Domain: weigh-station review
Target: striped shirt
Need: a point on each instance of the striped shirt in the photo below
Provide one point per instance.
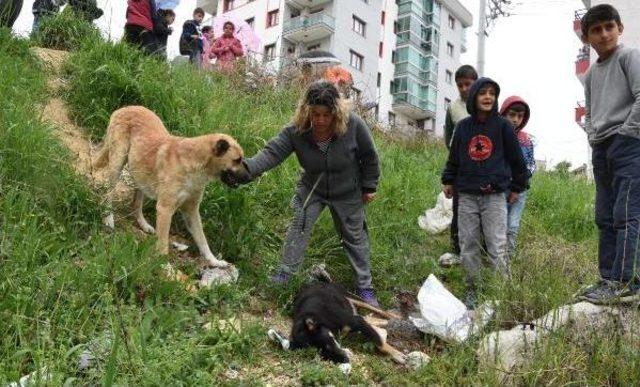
(324, 145)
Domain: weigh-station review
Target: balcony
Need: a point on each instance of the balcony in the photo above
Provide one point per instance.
(577, 22)
(300, 4)
(406, 37)
(308, 28)
(580, 112)
(407, 68)
(209, 6)
(582, 63)
(412, 106)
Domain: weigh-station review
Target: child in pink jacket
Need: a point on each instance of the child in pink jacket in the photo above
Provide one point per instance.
(226, 49)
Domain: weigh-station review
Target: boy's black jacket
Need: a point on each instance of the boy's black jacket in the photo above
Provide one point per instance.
(485, 157)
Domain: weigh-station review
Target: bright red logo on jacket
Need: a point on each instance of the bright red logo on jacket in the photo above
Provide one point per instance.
(480, 148)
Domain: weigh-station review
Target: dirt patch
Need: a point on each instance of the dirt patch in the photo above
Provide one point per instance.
(51, 58)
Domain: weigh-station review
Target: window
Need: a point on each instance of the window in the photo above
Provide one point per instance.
(394, 56)
(356, 60)
(391, 87)
(447, 103)
(380, 49)
(227, 6)
(382, 15)
(449, 49)
(272, 18)
(448, 77)
(313, 47)
(269, 52)
(392, 119)
(452, 22)
(420, 124)
(250, 21)
(358, 26)
(379, 80)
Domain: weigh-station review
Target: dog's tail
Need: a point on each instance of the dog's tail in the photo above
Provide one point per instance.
(102, 157)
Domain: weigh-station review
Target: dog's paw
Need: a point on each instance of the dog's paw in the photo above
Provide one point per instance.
(399, 358)
(215, 262)
(345, 368)
(148, 228)
(109, 222)
(179, 246)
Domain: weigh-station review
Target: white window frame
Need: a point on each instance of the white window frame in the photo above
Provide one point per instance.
(358, 25)
(356, 60)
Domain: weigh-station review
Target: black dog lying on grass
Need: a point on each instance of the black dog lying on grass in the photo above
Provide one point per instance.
(322, 311)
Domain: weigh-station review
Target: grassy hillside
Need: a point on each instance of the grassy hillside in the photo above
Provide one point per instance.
(65, 281)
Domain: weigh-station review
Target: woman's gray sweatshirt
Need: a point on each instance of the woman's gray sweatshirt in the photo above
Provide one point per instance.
(349, 167)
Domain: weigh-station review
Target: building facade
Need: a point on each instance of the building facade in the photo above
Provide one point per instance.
(392, 48)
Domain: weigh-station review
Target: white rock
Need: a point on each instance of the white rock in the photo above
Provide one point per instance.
(345, 368)
(218, 276)
(449, 259)
(417, 359)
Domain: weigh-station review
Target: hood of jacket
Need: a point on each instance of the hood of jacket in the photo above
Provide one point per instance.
(472, 108)
(513, 100)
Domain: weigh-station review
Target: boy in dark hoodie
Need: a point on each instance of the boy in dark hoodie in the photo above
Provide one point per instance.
(485, 161)
(162, 29)
(517, 111)
(191, 38)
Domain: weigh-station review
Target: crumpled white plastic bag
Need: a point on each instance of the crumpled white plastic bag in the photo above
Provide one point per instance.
(445, 316)
(437, 219)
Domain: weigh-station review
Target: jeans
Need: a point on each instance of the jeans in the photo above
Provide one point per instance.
(350, 223)
(482, 216)
(616, 168)
(455, 240)
(514, 214)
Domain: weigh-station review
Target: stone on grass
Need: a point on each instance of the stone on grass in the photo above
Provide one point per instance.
(218, 275)
(417, 359)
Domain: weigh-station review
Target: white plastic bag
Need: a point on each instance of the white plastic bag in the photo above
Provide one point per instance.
(437, 219)
(446, 317)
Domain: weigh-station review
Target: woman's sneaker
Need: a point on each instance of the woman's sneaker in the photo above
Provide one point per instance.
(602, 292)
(280, 278)
(613, 292)
(368, 295)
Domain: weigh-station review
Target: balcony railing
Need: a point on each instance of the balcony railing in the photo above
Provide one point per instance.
(405, 37)
(404, 98)
(577, 22)
(300, 22)
(405, 68)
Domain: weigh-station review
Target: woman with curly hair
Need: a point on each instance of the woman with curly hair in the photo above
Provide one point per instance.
(341, 171)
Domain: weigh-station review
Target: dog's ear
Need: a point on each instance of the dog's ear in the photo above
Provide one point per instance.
(311, 325)
(222, 146)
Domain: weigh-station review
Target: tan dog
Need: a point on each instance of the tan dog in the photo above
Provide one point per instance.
(172, 170)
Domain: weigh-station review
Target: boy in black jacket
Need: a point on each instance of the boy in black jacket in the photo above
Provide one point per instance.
(485, 161)
(191, 38)
(162, 29)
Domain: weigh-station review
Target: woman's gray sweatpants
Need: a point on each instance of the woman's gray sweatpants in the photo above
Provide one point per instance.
(349, 219)
(482, 216)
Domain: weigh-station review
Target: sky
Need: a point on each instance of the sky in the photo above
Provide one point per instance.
(530, 53)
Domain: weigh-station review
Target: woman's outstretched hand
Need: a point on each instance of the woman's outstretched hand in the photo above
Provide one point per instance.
(368, 197)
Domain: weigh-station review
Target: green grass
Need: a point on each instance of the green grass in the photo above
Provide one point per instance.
(66, 282)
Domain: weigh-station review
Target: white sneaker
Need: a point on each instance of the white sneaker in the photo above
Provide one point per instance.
(449, 259)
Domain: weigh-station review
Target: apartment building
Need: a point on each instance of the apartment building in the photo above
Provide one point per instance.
(392, 48)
